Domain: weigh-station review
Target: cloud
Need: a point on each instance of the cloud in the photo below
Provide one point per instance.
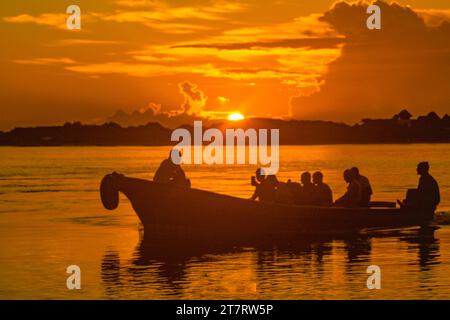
(330, 64)
(225, 53)
(287, 65)
(433, 17)
(240, 61)
(313, 43)
(159, 21)
(194, 99)
(46, 61)
(405, 64)
(192, 108)
(74, 42)
(303, 26)
(169, 27)
(174, 19)
(139, 3)
(57, 20)
(183, 11)
(153, 113)
(158, 15)
(223, 100)
(168, 13)
(138, 69)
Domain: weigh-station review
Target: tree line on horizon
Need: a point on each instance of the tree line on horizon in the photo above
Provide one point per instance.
(401, 128)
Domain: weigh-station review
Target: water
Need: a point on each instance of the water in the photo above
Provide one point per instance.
(51, 217)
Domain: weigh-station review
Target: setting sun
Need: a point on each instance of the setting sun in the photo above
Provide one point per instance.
(236, 117)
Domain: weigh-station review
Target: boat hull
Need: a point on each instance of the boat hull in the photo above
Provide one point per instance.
(197, 211)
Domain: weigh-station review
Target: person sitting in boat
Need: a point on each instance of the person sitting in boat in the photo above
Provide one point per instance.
(265, 187)
(269, 190)
(257, 181)
(180, 179)
(428, 195)
(295, 190)
(352, 198)
(366, 188)
(323, 196)
(306, 196)
(171, 172)
(283, 193)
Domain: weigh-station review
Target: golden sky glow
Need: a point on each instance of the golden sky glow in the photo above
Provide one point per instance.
(288, 58)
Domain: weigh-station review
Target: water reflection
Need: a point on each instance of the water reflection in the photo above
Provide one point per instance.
(358, 248)
(427, 246)
(111, 271)
(171, 261)
(178, 267)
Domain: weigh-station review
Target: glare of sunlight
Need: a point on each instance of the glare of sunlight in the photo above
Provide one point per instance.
(236, 117)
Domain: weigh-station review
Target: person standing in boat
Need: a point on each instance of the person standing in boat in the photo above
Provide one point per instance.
(366, 188)
(170, 172)
(428, 195)
(352, 198)
(323, 196)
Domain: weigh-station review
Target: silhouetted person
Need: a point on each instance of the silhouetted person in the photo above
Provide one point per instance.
(294, 189)
(265, 187)
(428, 195)
(170, 172)
(323, 196)
(306, 190)
(269, 188)
(283, 193)
(352, 197)
(257, 180)
(366, 188)
(181, 180)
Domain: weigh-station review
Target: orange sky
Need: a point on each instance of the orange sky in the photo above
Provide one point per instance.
(286, 58)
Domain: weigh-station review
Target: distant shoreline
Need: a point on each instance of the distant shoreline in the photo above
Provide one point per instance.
(169, 145)
(400, 129)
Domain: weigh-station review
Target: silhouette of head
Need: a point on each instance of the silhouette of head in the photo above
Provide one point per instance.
(348, 176)
(175, 156)
(259, 175)
(355, 171)
(305, 178)
(423, 167)
(317, 177)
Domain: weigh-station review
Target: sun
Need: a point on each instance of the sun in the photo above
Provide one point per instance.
(236, 117)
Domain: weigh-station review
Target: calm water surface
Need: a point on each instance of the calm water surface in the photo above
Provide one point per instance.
(51, 217)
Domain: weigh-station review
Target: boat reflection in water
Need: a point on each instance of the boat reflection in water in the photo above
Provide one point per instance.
(168, 266)
(427, 245)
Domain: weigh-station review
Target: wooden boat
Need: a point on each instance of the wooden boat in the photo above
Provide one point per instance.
(203, 212)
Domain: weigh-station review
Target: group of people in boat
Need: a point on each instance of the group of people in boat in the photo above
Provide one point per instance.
(312, 190)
